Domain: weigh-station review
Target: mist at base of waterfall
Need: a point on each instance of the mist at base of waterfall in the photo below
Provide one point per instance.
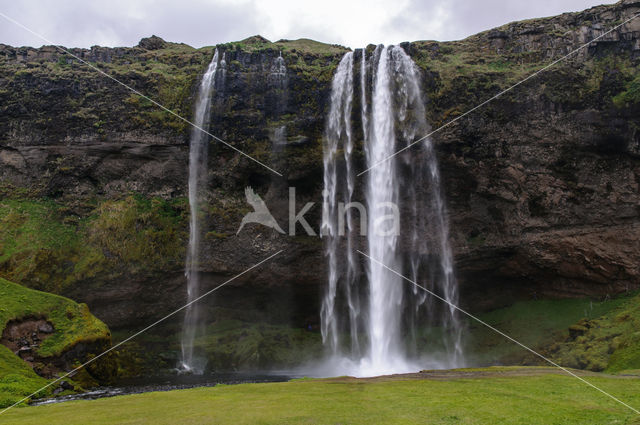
(363, 368)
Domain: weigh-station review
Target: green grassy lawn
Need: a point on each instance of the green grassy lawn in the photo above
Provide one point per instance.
(541, 397)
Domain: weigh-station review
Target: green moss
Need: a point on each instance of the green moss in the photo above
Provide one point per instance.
(631, 95)
(47, 246)
(233, 344)
(238, 340)
(35, 244)
(141, 232)
(610, 342)
(30, 225)
(73, 323)
(551, 318)
(626, 356)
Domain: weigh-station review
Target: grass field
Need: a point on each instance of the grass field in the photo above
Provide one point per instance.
(482, 396)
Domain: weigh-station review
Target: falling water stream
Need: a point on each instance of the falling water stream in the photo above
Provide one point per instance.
(278, 84)
(338, 141)
(373, 322)
(198, 148)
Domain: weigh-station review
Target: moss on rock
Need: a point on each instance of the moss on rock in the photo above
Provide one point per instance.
(46, 245)
(74, 335)
(610, 342)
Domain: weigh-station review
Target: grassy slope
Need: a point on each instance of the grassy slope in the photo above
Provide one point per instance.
(533, 323)
(610, 342)
(543, 399)
(73, 324)
(577, 333)
(17, 379)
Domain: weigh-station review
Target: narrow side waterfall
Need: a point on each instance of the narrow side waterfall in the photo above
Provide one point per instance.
(401, 328)
(278, 85)
(198, 149)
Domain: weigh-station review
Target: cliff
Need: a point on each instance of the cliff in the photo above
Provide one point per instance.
(542, 184)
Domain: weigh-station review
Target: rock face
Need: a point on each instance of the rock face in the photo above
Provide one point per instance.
(152, 43)
(23, 337)
(542, 184)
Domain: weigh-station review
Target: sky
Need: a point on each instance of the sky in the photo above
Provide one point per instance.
(84, 23)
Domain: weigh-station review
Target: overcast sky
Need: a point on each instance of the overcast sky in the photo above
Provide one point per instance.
(83, 23)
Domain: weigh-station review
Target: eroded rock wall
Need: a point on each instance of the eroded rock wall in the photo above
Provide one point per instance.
(541, 184)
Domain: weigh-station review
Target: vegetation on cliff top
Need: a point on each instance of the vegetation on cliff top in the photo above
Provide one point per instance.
(460, 76)
(259, 44)
(84, 98)
(167, 73)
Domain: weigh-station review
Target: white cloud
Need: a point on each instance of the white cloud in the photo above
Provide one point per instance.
(356, 23)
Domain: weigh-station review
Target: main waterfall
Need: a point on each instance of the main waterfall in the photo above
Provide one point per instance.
(198, 148)
(373, 321)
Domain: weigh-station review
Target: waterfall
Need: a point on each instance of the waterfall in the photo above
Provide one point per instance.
(278, 73)
(385, 287)
(277, 80)
(337, 137)
(406, 223)
(198, 148)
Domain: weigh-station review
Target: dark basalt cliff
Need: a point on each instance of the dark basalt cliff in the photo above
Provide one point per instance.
(542, 184)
